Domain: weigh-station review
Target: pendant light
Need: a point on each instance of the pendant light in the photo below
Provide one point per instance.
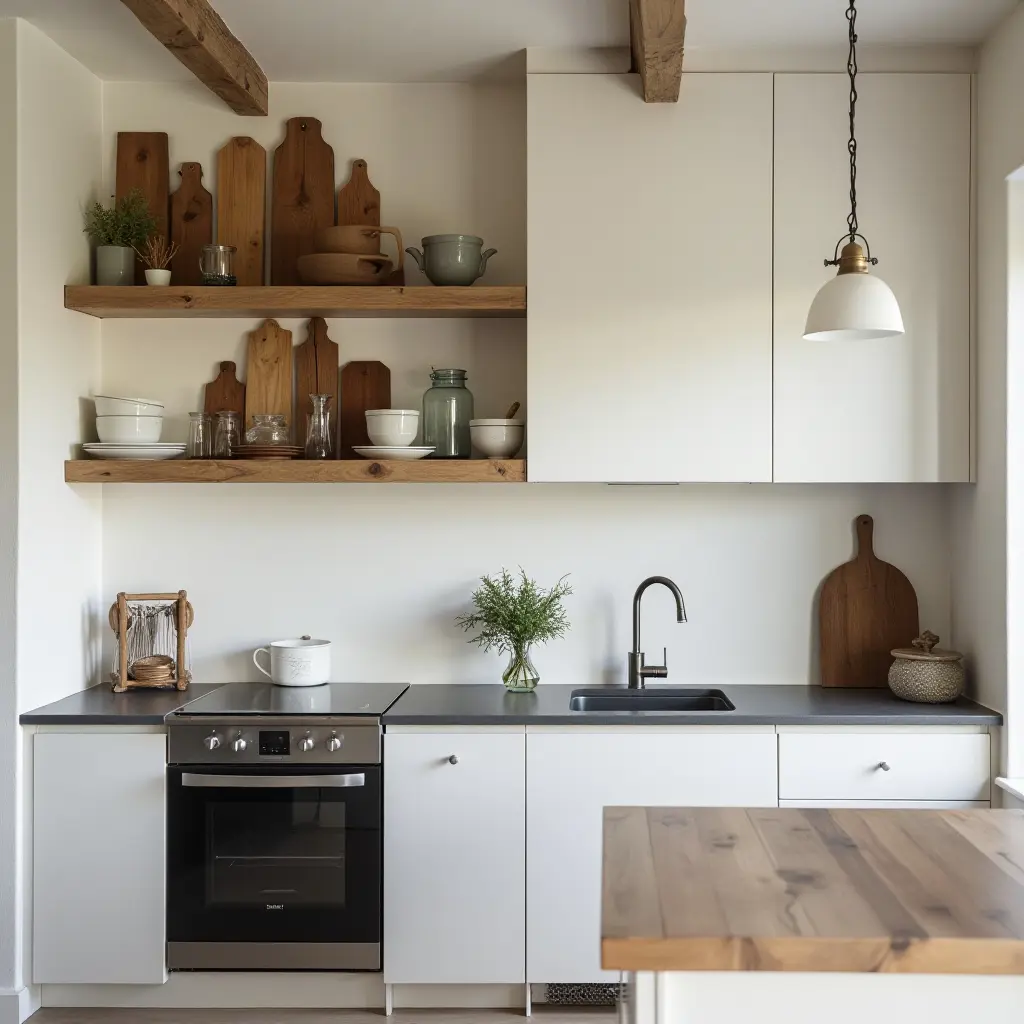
(853, 306)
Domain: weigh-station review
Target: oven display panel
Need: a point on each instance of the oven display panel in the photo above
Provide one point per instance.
(275, 743)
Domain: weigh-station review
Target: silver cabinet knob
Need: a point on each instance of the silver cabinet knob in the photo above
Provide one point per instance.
(884, 765)
(239, 745)
(307, 743)
(212, 742)
(333, 743)
(454, 759)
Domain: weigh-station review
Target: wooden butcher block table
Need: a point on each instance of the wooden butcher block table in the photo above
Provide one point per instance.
(880, 891)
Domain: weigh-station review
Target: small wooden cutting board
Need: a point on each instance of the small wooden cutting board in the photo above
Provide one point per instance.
(191, 224)
(142, 163)
(242, 205)
(364, 385)
(867, 608)
(303, 196)
(268, 377)
(225, 393)
(316, 373)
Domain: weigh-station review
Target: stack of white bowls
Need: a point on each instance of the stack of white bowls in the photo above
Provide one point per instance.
(130, 428)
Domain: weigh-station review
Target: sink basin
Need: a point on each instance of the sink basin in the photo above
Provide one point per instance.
(608, 699)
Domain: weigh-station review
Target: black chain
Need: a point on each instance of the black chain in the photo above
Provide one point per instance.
(851, 67)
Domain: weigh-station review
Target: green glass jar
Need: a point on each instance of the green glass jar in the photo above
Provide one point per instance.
(447, 410)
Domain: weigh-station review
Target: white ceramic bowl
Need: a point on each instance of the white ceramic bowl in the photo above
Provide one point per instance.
(392, 428)
(109, 405)
(129, 429)
(497, 439)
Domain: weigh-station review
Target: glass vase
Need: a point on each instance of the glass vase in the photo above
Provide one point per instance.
(520, 676)
(318, 428)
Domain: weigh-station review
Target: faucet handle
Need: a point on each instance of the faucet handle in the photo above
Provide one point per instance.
(655, 671)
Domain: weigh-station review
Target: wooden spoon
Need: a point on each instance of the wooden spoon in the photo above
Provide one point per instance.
(512, 410)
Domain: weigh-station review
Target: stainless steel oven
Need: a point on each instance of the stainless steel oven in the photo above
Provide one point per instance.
(274, 844)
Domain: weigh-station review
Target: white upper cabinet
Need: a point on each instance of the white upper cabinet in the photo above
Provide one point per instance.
(650, 279)
(897, 409)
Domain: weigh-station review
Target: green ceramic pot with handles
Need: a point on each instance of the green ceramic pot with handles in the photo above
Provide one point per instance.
(452, 259)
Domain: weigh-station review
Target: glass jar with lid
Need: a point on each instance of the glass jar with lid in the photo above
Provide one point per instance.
(447, 410)
(267, 428)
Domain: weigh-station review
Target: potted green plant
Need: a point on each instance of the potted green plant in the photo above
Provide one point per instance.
(115, 231)
(157, 254)
(512, 615)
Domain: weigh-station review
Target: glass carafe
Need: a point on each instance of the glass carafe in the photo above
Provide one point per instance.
(447, 410)
(318, 428)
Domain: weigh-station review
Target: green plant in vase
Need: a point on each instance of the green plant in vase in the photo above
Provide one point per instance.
(115, 231)
(512, 614)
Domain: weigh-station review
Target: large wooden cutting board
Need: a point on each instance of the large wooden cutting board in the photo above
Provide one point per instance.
(359, 203)
(142, 163)
(225, 393)
(242, 205)
(364, 385)
(191, 224)
(316, 373)
(303, 196)
(268, 376)
(867, 608)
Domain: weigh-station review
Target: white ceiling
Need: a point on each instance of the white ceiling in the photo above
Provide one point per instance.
(457, 40)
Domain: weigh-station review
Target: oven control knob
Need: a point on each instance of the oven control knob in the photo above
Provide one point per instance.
(239, 745)
(333, 743)
(212, 742)
(307, 743)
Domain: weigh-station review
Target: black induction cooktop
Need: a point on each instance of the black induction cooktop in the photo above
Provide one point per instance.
(371, 699)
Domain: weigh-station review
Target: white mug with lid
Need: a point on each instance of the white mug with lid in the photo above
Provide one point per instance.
(302, 662)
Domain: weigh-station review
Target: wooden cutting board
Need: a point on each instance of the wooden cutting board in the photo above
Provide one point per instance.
(359, 203)
(191, 224)
(224, 393)
(268, 376)
(303, 196)
(142, 163)
(867, 608)
(242, 205)
(316, 373)
(364, 385)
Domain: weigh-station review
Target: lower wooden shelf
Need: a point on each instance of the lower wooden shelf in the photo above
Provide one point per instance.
(252, 471)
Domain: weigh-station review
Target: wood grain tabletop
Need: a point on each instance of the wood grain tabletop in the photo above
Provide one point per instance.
(768, 889)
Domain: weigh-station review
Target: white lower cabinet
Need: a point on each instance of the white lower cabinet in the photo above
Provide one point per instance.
(572, 775)
(454, 857)
(99, 878)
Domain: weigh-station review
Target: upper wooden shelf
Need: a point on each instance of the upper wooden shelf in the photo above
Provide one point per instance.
(140, 302)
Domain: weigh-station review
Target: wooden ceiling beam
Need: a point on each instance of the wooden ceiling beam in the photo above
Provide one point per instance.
(657, 29)
(196, 34)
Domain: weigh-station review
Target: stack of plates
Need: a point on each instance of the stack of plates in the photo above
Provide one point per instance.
(166, 450)
(404, 454)
(156, 669)
(267, 451)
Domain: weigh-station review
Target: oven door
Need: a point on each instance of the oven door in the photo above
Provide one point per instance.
(274, 868)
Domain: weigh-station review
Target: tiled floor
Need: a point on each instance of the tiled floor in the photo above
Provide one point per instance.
(541, 1015)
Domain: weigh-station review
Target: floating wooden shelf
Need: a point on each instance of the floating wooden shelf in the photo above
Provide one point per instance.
(251, 471)
(182, 301)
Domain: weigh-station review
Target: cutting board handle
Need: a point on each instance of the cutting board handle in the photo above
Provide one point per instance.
(865, 537)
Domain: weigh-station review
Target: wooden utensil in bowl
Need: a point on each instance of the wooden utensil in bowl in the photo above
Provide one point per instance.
(343, 268)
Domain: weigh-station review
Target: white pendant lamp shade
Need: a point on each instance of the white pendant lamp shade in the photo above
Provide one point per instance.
(853, 307)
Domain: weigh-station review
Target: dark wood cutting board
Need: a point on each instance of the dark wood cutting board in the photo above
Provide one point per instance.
(242, 205)
(359, 203)
(142, 163)
(225, 393)
(303, 196)
(364, 385)
(191, 224)
(867, 608)
(268, 375)
(316, 373)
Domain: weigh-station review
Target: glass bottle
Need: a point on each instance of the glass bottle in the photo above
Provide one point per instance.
(227, 434)
(318, 428)
(200, 441)
(447, 410)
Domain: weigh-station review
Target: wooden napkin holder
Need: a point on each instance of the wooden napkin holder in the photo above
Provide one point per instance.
(120, 617)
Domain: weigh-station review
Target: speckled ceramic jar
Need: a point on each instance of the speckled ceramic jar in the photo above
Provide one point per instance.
(926, 674)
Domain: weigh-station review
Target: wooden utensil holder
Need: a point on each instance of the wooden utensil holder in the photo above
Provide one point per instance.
(120, 618)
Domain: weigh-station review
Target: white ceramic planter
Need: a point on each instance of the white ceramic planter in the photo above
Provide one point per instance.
(160, 277)
(115, 264)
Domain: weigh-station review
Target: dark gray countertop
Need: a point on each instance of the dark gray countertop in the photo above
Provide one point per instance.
(472, 704)
(98, 706)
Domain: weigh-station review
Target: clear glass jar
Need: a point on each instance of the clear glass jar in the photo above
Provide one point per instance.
(200, 435)
(318, 428)
(447, 410)
(267, 428)
(227, 433)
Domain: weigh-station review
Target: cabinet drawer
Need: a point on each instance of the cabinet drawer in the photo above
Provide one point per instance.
(921, 766)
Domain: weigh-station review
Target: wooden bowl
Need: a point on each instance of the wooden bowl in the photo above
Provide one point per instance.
(343, 268)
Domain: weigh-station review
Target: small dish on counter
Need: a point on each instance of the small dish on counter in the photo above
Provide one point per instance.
(404, 453)
(168, 450)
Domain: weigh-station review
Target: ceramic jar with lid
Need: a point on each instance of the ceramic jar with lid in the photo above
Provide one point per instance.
(926, 673)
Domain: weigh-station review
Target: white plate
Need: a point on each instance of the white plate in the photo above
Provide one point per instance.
(398, 454)
(180, 445)
(134, 451)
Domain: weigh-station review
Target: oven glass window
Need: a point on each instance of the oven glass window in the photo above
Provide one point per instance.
(281, 852)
